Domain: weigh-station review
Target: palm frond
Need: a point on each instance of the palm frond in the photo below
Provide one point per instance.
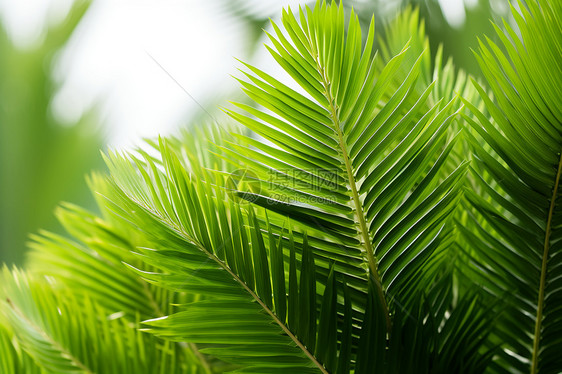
(514, 229)
(407, 28)
(61, 337)
(94, 267)
(362, 164)
(204, 244)
(94, 270)
(320, 238)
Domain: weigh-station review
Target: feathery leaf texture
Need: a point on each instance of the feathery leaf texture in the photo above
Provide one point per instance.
(61, 339)
(363, 170)
(514, 232)
(377, 212)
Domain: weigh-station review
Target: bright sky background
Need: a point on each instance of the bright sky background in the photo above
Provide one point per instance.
(113, 59)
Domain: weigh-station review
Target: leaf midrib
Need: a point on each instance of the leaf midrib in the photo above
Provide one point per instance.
(223, 265)
(542, 284)
(263, 305)
(360, 214)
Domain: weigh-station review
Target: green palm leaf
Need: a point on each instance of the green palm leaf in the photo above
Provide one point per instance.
(14, 359)
(61, 337)
(95, 270)
(408, 28)
(514, 231)
(204, 244)
(262, 307)
(341, 264)
(363, 163)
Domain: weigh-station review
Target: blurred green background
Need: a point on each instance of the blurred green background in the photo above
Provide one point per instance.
(42, 161)
(44, 158)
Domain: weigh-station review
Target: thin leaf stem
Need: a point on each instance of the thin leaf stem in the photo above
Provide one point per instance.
(542, 285)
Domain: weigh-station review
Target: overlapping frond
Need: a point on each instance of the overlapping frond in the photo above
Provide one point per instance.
(204, 244)
(62, 337)
(408, 28)
(320, 239)
(94, 269)
(357, 164)
(514, 229)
